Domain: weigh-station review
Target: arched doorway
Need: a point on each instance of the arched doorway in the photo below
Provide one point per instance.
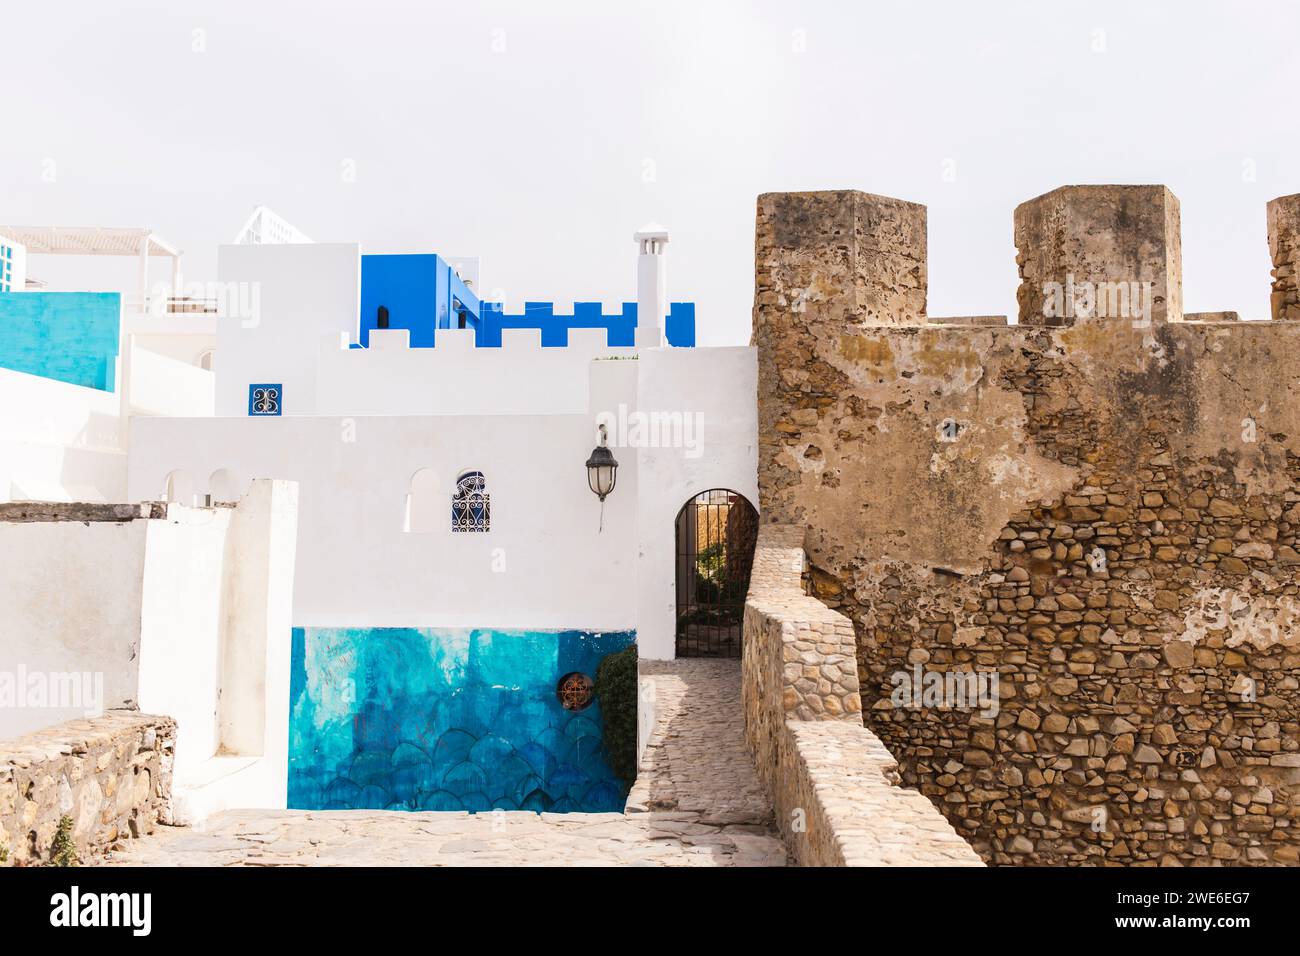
(716, 531)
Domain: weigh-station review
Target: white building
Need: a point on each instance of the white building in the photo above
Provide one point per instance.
(66, 430)
(378, 438)
(384, 494)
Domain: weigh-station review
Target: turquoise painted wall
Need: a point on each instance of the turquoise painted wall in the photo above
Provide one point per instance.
(66, 336)
(444, 719)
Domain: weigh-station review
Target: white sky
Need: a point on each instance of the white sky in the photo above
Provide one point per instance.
(535, 156)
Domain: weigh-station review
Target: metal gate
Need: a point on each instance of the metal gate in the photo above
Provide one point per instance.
(716, 532)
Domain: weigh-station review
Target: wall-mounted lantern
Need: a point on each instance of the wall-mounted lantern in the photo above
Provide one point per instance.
(602, 468)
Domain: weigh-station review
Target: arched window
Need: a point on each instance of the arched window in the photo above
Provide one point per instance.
(470, 507)
(223, 486)
(424, 503)
(204, 361)
(178, 487)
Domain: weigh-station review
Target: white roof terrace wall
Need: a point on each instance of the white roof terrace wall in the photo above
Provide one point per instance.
(456, 378)
(278, 303)
(546, 562)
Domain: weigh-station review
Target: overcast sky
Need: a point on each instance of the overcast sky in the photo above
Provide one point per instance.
(540, 135)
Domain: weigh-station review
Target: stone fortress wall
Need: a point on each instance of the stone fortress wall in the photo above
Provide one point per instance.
(1100, 509)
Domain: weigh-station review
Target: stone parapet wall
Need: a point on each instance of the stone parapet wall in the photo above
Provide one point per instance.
(858, 814)
(112, 775)
(832, 782)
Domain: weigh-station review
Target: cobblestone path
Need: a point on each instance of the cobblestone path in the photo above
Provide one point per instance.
(697, 802)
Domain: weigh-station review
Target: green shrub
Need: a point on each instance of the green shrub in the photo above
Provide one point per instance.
(63, 851)
(616, 690)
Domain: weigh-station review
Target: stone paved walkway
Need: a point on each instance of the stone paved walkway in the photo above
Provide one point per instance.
(697, 802)
(696, 761)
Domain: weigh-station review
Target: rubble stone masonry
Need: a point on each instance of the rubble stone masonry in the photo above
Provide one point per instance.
(110, 774)
(1105, 513)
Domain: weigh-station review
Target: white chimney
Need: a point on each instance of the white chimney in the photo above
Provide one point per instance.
(651, 285)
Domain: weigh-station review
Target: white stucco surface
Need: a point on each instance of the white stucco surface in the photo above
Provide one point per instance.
(547, 561)
(718, 385)
(456, 378)
(163, 385)
(58, 441)
(296, 295)
(187, 615)
(71, 597)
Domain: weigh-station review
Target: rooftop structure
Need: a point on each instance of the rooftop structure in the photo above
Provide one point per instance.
(139, 243)
(264, 227)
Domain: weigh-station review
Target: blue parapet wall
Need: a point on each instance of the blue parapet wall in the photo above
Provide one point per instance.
(421, 292)
(396, 718)
(555, 328)
(66, 336)
(679, 325)
(621, 326)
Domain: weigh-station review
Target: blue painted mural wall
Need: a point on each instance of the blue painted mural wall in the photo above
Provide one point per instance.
(444, 719)
(67, 336)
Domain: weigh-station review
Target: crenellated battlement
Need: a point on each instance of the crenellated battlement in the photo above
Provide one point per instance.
(586, 325)
(462, 343)
(1083, 253)
(558, 329)
(519, 375)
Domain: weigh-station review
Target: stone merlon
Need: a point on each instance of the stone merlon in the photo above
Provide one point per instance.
(1284, 248)
(1123, 241)
(850, 256)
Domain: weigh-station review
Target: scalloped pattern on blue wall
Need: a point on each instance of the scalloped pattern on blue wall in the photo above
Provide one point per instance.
(446, 719)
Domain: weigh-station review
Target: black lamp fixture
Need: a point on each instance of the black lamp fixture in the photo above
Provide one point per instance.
(602, 468)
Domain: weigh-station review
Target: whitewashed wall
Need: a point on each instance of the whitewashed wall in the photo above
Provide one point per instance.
(58, 441)
(301, 293)
(70, 595)
(215, 624)
(187, 615)
(719, 385)
(455, 377)
(184, 337)
(162, 385)
(543, 564)
(65, 442)
(546, 563)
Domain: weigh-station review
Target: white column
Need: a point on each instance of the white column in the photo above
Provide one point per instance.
(176, 276)
(144, 274)
(651, 285)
